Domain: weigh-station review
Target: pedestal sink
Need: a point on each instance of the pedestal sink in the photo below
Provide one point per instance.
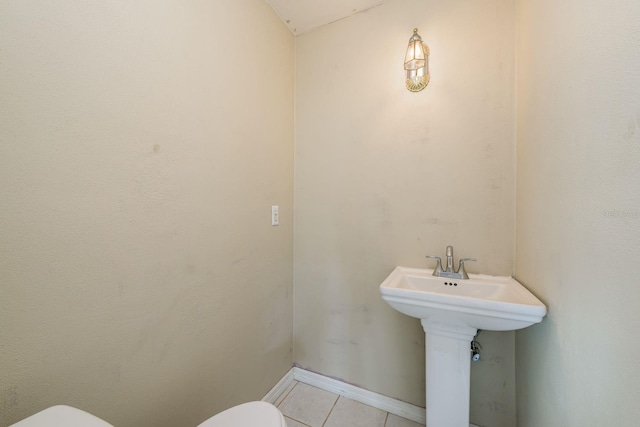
(451, 312)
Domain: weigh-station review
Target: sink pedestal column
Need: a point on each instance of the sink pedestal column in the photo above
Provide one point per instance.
(448, 359)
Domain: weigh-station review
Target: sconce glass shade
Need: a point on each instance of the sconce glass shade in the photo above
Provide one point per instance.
(416, 63)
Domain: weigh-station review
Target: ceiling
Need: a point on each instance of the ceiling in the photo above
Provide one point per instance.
(305, 15)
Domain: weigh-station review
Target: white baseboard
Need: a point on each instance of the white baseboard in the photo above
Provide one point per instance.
(387, 404)
(279, 389)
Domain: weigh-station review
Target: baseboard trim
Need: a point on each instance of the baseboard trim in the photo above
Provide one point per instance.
(280, 388)
(385, 403)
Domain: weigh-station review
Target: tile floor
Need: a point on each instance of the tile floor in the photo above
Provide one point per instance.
(307, 406)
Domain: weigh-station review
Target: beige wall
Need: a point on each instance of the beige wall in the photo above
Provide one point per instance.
(142, 145)
(384, 177)
(139, 157)
(578, 211)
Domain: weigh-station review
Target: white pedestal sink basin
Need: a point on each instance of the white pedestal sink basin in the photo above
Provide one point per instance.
(451, 312)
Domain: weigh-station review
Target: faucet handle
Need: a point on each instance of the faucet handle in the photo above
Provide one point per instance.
(438, 269)
(449, 250)
(461, 271)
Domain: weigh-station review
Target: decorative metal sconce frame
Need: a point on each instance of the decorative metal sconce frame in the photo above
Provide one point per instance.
(416, 63)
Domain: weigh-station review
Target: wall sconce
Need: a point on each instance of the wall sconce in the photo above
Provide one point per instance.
(416, 63)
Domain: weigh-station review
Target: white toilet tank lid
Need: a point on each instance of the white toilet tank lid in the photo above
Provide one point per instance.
(252, 414)
(62, 416)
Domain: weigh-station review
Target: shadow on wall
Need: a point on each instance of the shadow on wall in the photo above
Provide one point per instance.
(540, 374)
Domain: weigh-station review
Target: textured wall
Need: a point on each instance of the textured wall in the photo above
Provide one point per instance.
(384, 177)
(142, 145)
(578, 211)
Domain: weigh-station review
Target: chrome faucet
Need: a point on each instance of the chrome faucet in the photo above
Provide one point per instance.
(450, 272)
(450, 259)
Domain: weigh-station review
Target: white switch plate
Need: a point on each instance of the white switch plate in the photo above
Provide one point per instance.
(275, 216)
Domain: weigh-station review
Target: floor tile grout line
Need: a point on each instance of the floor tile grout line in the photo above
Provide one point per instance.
(394, 406)
(298, 421)
(287, 393)
(332, 408)
(285, 398)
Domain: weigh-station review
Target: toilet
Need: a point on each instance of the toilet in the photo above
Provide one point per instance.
(62, 416)
(253, 414)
